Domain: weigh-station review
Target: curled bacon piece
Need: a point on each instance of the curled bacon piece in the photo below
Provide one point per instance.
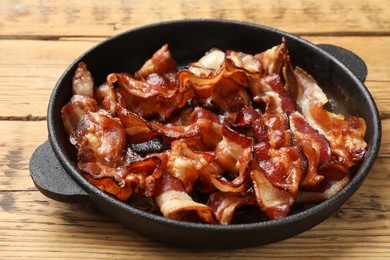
(75, 109)
(225, 204)
(275, 203)
(175, 203)
(186, 164)
(314, 145)
(336, 177)
(101, 143)
(273, 59)
(234, 155)
(346, 137)
(160, 63)
(157, 96)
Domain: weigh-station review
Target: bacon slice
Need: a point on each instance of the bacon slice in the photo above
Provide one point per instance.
(101, 143)
(142, 175)
(314, 145)
(336, 177)
(157, 96)
(136, 128)
(175, 203)
(234, 155)
(160, 63)
(271, 92)
(82, 82)
(275, 203)
(106, 97)
(346, 137)
(75, 109)
(273, 59)
(210, 69)
(186, 164)
(283, 167)
(202, 123)
(225, 204)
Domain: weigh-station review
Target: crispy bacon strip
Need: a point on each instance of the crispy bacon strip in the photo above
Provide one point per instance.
(157, 96)
(271, 92)
(234, 155)
(273, 59)
(175, 203)
(314, 145)
(202, 123)
(275, 203)
(210, 69)
(283, 167)
(142, 175)
(106, 97)
(160, 63)
(346, 137)
(75, 109)
(186, 164)
(136, 128)
(336, 177)
(225, 204)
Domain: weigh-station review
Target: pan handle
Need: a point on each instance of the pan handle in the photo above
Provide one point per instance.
(51, 179)
(353, 62)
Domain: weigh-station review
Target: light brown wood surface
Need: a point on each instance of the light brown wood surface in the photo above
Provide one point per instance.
(39, 39)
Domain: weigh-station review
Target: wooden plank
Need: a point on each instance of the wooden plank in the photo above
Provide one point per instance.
(54, 18)
(32, 73)
(29, 71)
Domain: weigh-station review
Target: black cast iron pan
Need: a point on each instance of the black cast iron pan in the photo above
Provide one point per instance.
(340, 73)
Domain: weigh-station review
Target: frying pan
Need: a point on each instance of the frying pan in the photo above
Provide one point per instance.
(340, 72)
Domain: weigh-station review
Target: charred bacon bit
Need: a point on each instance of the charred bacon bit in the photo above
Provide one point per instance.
(276, 203)
(234, 155)
(82, 82)
(225, 204)
(160, 63)
(186, 164)
(346, 137)
(175, 203)
(75, 109)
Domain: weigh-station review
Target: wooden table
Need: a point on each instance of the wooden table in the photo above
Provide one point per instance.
(39, 39)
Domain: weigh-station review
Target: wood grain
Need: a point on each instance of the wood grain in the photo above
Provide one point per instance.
(57, 18)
